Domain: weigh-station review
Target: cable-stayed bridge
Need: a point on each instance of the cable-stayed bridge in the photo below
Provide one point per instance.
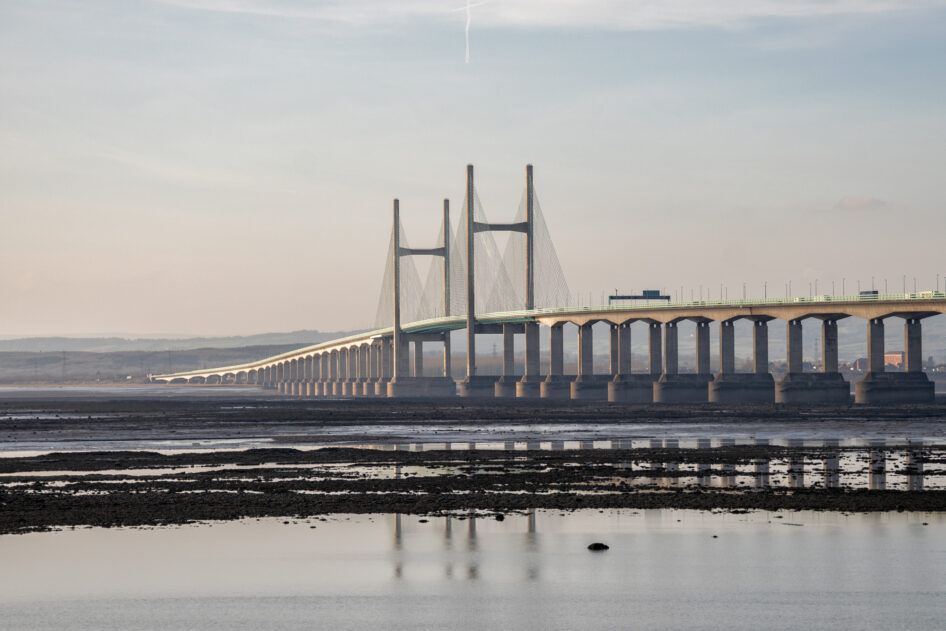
(470, 284)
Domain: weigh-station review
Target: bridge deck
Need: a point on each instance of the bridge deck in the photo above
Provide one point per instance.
(914, 305)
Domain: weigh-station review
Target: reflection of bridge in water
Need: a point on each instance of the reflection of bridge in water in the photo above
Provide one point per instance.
(874, 464)
(459, 531)
(476, 288)
(827, 465)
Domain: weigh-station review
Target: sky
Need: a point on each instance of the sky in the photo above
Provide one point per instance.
(226, 167)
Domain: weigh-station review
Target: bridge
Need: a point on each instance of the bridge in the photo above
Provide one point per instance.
(528, 276)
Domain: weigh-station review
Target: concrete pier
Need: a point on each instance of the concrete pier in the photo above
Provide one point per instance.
(626, 387)
(383, 370)
(755, 387)
(798, 387)
(363, 383)
(505, 386)
(879, 387)
(530, 386)
(556, 385)
(672, 387)
(586, 387)
(478, 386)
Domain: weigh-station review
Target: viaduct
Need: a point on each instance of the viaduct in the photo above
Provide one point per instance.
(378, 362)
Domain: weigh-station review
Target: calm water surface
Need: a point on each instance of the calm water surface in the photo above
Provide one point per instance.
(665, 570)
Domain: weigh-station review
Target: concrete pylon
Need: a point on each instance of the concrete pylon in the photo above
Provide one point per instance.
(402, 383)
(530, 384)
(474, 385)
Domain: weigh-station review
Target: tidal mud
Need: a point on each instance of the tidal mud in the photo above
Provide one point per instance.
(113, 489)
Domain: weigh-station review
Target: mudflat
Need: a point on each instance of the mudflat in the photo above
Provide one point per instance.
(515, 457)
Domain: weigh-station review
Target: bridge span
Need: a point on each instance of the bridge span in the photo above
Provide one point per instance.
(363, 364)
(378, 362)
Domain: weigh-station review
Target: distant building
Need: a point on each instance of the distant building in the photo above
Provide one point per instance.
(859, 364)
(894, 360)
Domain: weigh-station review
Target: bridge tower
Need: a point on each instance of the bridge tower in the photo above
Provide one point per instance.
(402, 384)
(507, 385)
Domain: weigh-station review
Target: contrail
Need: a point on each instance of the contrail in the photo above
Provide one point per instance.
(467, 31)
(469, 17)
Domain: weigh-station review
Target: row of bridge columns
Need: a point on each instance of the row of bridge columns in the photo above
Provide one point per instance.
(368, 369)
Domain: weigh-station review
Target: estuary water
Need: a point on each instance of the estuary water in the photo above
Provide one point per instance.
(665, 569)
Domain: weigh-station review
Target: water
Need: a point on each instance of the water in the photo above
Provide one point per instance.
(665, 570)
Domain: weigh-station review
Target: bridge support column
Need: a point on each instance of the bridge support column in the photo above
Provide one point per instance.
(447, 357)
(325, 385)
(305, 385)
(348, 379)
(727, 347)
(341, 374)
(829, 346)
(418, 358)
(283, 378)
(733, 388)
(529, 387)
(799, 387)
(703, 347)
(556, 385)
(615, 354)
(793, 336)
(297, 372)
(880, 387)
(671, 364)
(505, 386)
(371, 369)
(383, 359)
(316, 375)
(626, 387)
(913, 345)
(760, 346)
(360, 384)
(656, 366)
(585, 387)
(295, 377)
(672, 387)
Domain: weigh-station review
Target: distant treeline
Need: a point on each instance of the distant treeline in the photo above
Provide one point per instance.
(125, 366)
(119, 344)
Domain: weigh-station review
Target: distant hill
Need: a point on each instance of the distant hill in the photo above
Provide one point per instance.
(70, 367)
(118, 344)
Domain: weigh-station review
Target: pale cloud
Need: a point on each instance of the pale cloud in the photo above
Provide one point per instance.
(860, 203)
(623, 15)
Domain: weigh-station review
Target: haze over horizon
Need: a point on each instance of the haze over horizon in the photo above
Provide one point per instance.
(225, 167)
